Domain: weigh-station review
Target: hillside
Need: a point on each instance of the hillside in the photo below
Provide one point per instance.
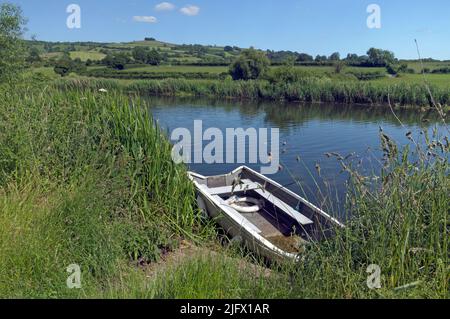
(171, 53)
(207, 62)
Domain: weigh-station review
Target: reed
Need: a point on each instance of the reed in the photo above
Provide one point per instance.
(399, 223)
(309, 89)
(85, 178)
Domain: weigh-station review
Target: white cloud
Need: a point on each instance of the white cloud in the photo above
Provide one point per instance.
(190, 10)
(146, 19)
(165, 6)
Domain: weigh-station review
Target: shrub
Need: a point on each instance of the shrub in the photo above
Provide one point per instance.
(250, 65)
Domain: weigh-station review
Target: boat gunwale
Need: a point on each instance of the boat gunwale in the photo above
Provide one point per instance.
(263, 241)
(266, 243)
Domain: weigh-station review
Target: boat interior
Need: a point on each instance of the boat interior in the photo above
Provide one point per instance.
(282, 219)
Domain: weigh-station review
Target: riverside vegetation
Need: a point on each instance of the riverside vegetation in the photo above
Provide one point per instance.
(305, 90)
(86, 177)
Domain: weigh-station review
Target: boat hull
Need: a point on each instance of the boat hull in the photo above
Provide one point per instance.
(313, 223)
(240, 234)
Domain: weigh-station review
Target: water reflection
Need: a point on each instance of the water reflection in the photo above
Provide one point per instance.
(308, 132)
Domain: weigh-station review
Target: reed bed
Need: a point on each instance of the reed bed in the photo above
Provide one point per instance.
(310, 89)
(86, 178)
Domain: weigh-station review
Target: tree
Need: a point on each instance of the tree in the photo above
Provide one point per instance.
(335, 57)
(63, 67)
(116, 61)
(66, 65)
(354, 59)
(153, 57)
(403, 68)
(144, 55)
(287, 73)
(303, 57)
(34, 56)
(250, 65)
(339, 66)
(321, 58)
(228, 49)
(12, 50)
(378, 57)
(140, 54)
(78, 66)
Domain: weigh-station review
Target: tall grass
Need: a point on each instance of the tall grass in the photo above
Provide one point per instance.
(85, 178)
(399, 223)
(309, 89)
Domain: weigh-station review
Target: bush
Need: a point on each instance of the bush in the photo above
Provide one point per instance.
(65, 66)
(117, 61)
(367, 76)
(286, 74)
(441, 71)
(250, 65)
(12, 49)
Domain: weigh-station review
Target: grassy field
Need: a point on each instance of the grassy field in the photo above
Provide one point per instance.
(439, 80)
(87, 55)
(317, 84)
(175, 53)
(313, 70)
(417, 65)
(180, 69)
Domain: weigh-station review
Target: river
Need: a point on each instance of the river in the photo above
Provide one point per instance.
(307, 134)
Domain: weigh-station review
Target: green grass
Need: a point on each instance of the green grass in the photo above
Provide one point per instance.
(87, 55)
(316, 84)
(49, 55)
(310, 89)
(151, 44)
(417, 66)
(84, 179)
(44, 71)
(312, 70)
(306, 90)
(438, 80)
(180, 69)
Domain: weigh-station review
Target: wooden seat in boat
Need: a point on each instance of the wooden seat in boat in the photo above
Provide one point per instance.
(247, 186)
(300, 218)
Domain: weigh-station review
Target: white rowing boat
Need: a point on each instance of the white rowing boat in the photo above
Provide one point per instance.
(269, 219)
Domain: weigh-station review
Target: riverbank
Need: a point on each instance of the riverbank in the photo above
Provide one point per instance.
(86, 179)
(310, 90)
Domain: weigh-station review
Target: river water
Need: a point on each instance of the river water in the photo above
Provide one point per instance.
(307, 134)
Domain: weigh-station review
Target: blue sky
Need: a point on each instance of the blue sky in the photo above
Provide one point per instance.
(313, 26)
